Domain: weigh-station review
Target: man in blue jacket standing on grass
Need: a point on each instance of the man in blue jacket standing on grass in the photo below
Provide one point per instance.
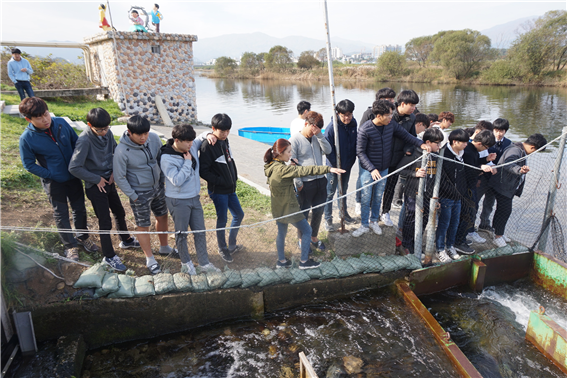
(19, 71)
(46, 148)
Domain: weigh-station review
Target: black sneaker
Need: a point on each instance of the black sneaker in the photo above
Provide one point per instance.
(319, 245)
(225, 254)
(309, 264)
(285, 264)
(349, 219)
(174, 253)
(485, 228)
(236, 249)
(464, 249)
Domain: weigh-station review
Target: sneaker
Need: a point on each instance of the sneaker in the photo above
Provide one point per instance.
(309, 264)
(357, 209)
(349, 219)
(386, 219)
(468, 241)
(236, 249)
(476, 238)
(329, 226)
(319, 245)
(397, 205)
(452, 253)
(133, 244)
(500, 242)
(286, 264)
(506, 239)
(154, 269)
(72, 253)
(442, 256)
(485, 228)
(189, 268)
(173, 253)
(225, 254)
(89, 245)
(464, 249)
(210, 268)
(359, 231)
(376, 228)
(115, 263)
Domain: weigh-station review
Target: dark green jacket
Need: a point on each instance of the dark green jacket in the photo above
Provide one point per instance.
(280, 178)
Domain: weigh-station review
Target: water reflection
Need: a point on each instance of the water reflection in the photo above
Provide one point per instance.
(273, 102)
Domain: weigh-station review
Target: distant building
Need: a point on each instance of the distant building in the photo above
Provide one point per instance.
(211, 62)
(379, 50)
(336, 53)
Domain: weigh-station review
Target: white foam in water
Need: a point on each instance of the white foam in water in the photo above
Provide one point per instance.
(521, 302)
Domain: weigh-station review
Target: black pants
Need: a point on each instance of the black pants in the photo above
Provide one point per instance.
(389, 191)
(102, 204)
(408, 229)
(59, 194)
(502, 213)
(314, 193)
(468, 216)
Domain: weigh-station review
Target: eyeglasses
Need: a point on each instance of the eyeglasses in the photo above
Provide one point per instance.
(101, 129)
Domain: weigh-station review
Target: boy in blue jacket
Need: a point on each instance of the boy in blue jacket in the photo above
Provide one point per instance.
(50, 142)
(347, 141)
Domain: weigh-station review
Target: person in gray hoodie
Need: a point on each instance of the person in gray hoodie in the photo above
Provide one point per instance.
(138, 175)
(92, 163)
(179, 162)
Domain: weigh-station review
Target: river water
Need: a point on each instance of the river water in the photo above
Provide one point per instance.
(273, 102)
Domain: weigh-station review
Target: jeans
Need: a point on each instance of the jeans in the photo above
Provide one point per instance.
(188, 212)
(332, 184)
(59, 193)
(313, 193)
(371, 197)
(304, 228)
(24, 86)
(448, 223)
(102, 204)
(468, 216)
(359, 185)
(223, 203)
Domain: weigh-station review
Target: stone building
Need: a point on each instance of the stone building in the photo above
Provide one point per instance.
(148, 64)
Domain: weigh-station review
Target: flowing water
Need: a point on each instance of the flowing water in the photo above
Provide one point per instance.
(490, 328)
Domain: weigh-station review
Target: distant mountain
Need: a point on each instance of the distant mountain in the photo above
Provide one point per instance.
(233, 45)
(503, 35)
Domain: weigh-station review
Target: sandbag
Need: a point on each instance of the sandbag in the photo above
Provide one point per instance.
(126, 289)
(268, 276)
(343, 267)
(249, 278)
(284, 275)
(91, 277)
(414, 262)
(392, 263)
(372, 263)
(110, 284)
(328, 270)
(506, 250)
(215, 280)
(519, 248)
(299, 276)
(144, 286)
(199, 282)
(233, 278)
(182, 282)
(357, 264)
(314, 274)
(163, 283)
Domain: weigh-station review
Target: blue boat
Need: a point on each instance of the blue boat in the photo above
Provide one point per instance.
(266, 135)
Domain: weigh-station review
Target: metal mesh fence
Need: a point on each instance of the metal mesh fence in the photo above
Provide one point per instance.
(375, 232)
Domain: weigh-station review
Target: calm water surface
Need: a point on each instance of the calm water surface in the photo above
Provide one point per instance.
(273, 102)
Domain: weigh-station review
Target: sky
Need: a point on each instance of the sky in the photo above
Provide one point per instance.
(391, 22)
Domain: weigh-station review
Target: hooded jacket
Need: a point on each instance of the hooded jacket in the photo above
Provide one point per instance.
(218, 168)
(280, 178)
(400, 147)
(15, 70)
(412, 181)
(135, 166)
(53, 155)
(181, 175)
(92, 158)
(453, 181)
(347, 141)
(309, 152)
(508, 180)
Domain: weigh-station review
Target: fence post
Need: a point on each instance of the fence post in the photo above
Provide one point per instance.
(418, 232)
(552, 191)
(430, 248)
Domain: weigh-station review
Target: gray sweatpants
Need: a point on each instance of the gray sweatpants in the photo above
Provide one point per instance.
(188, 212)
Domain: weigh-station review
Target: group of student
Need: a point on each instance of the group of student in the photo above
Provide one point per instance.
(156, 178)
(478, 162)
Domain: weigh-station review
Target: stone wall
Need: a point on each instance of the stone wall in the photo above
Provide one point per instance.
(148, 64)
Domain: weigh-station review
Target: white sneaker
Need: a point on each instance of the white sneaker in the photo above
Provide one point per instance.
(188, 268)
(210, 268)
(359, 231)
(506, 239)
(386, 219)
(374, 227)
(476, 238)
(452, 253)
(357, 209)
(442, 256)
(500, 242)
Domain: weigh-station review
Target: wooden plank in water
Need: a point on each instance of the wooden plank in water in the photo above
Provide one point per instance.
(305, 368)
